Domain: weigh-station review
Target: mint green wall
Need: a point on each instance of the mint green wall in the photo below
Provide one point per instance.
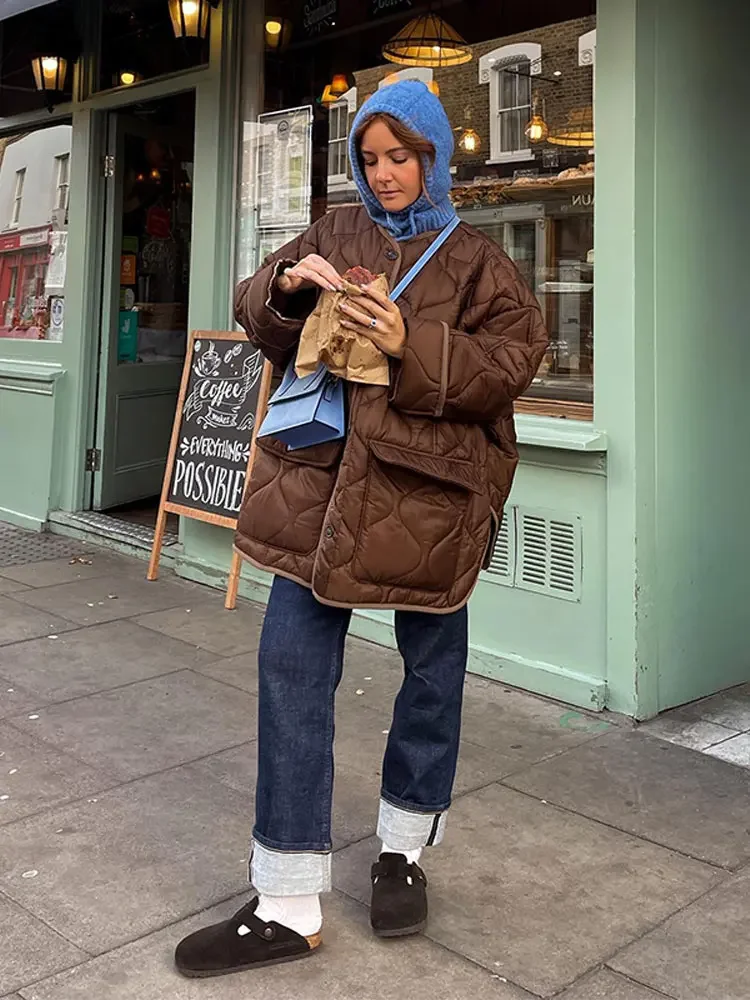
(702, 212)
(671, 256)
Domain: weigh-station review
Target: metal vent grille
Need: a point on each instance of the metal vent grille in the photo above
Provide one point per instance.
(502, 565)
(549, 553)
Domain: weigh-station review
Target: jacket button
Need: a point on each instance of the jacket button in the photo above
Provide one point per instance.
(391, 255)
(329, 532)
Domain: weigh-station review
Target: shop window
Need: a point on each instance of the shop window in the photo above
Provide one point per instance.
(138, 43)
(532, 194)
(34, 184)
(509, 71)
(62, 182)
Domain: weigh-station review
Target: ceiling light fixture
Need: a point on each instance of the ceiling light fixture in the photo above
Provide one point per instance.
(427, 40)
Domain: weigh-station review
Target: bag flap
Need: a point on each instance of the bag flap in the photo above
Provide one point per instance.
(295, 388)
(440, 467)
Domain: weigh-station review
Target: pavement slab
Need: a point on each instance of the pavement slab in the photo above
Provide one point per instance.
(701, 953)
(210, 626)
(149, 726)
(352, 963)
(30, 949)
(19, 622)
(116, 595)
(35, 776)
(607, 985)
(537, 894)
(671, 795)
(90, 660)
(522, 726)
(128, 861)
(52, 572)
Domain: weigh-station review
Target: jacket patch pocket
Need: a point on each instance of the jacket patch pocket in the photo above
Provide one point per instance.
(411, 525)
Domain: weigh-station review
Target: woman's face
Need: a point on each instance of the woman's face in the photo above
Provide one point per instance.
(393, 173)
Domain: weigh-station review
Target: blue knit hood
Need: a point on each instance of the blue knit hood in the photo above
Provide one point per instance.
(415, 106)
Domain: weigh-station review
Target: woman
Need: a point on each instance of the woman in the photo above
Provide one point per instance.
(401, 515)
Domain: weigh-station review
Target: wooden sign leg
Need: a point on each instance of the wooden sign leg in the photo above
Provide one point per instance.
(234, 582)
(153, 566)
(264, 392)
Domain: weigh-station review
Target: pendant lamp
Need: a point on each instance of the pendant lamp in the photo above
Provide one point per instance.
(427, 40)
(190, 18)
(577, 132)
(537, 129)
(50, 72)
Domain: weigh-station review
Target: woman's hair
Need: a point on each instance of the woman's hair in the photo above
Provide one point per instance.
(407, 138)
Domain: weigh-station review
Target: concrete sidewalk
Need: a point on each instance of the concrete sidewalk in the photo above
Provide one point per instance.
(584, 859)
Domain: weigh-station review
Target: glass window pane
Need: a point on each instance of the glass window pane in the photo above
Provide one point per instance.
(34, 184)
(507, 87)
(138, 40)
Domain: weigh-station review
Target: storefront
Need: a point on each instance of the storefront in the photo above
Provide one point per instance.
(146, 157)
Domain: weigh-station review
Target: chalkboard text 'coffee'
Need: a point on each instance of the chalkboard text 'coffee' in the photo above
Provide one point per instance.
(216, 421)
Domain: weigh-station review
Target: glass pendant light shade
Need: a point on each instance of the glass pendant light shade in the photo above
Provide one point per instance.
(50, 73)
(537, 129)
(470, 141)
(339, 85)
(190, 18)
(427, 40)
(278, 33)
(577, 132)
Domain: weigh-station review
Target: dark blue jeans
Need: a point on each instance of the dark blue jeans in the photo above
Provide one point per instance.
(300, 661)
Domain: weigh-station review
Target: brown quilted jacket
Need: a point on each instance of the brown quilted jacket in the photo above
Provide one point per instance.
(402, 514)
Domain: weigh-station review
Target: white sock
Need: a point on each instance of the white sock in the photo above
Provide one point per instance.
(412, 857)
(299, 913)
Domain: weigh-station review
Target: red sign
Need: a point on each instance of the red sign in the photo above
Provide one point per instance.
(127, 269)
(158, 223)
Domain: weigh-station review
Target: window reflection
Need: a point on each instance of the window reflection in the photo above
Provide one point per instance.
(34, 199)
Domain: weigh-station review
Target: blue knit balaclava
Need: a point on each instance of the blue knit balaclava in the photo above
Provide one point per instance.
(411, 103)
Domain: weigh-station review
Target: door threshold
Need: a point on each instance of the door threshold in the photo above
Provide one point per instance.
(93, 526)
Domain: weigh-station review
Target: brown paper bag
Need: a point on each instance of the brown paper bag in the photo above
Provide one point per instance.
(349, 355)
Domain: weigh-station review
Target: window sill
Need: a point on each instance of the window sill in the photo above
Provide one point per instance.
(553, 432)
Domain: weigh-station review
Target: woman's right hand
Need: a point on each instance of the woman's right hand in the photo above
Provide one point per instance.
(311, 271)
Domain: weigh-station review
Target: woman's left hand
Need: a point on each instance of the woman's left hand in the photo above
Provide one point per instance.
(375, 316)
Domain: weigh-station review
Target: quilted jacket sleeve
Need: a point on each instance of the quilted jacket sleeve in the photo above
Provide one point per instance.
(476, 373)
(273, 321)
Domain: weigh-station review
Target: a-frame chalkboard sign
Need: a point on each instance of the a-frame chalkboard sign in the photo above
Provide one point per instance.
(222, 402)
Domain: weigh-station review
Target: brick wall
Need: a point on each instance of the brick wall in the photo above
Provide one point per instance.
(460, 88)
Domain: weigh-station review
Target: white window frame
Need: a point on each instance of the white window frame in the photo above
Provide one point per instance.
(18, 198)
(423, 73)
(491, 66)
(62, 182)
(587, 57)
(348, 102)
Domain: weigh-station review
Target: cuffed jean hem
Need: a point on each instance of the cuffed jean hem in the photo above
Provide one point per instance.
(289, 873)
(406, 830)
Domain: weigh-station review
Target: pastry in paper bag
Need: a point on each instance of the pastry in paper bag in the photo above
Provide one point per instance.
(345, 353)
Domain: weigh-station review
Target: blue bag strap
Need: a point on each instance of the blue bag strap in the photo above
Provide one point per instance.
(426, 256)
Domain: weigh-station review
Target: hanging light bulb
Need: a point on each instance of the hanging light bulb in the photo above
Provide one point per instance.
(434, 88)
(537, 129)
(470, 141)
(427, 40)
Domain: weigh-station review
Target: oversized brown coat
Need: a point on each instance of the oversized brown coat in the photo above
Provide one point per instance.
(402, 513)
